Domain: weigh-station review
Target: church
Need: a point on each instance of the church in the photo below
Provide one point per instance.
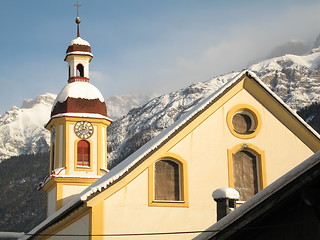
(242, 136)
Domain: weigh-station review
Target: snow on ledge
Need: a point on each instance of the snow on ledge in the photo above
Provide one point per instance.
(222, 193)
(82, 115)
(57, 171)
(76, 176)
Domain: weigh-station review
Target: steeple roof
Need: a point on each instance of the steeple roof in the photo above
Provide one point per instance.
(79, 46)
(79, 97)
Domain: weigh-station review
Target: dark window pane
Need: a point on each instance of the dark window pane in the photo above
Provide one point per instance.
(167, 181)
(241, 123)
(83, 153)
(245, 174)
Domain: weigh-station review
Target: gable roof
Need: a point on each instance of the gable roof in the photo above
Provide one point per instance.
(263, 93)
(261, 203)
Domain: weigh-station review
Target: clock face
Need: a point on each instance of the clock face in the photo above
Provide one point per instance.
(83, 129)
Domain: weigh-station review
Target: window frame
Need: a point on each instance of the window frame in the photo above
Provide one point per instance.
(260, 158)
(183, 189)
(250, 112)
(79, 167)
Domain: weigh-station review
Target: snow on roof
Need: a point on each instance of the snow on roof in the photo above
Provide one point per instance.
(83, 115)
(261, 196)
(123, 167)
(229, 193)
(79, 41)
(82, 90)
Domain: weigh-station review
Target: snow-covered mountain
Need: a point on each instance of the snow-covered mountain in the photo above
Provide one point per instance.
(296, 79)
(119, 105)
(22, 129)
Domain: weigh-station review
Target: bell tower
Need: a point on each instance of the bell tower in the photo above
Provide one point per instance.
(78, 127)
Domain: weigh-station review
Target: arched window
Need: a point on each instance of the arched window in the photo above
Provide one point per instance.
(167, 181)
(80, 71)
(246, 174)
(83, 153)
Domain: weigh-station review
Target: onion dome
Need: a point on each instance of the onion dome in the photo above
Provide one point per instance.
(79, 46)
(80, 99)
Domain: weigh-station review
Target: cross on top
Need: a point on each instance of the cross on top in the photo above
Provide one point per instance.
(77, 5)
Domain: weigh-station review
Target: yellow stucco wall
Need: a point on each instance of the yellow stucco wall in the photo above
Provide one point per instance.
(206, 152)
(70, 191)
(51, 207)
(79, 227)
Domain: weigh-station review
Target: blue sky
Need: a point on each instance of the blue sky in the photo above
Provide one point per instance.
(142, 46)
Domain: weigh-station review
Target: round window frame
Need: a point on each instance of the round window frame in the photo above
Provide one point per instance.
(254, 116)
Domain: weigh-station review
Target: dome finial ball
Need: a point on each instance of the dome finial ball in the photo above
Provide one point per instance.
(78, 20)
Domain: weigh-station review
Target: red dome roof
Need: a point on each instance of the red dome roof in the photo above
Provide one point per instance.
(79, 98)
(80, 105)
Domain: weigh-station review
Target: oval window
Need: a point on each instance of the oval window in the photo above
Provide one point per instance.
(244, 122)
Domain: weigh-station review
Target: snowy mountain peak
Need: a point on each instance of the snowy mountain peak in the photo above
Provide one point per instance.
(46, 99)
(293, 78)
(22, 130)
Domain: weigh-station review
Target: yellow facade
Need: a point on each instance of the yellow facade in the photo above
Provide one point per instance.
(204, 148)
(68, 179)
